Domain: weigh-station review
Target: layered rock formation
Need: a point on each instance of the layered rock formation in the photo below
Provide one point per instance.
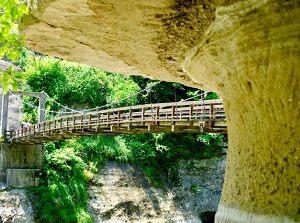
(247, 51)
(122, 193)
(15, 206)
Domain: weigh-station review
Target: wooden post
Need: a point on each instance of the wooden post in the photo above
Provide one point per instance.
(191, 111)
(157, 115)
(143, 114)
(33, 130)
(119, 117)
(130, 115)
(74, 121)
(108, 117)
(191, 115)
(67, 124)
(90, 120)
(211, 111)
(99, 118)
(173, 112)
(61, 123)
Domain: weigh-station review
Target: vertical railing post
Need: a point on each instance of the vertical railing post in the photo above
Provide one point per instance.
(119, 117)
(33, 130)
(67, 128)
(83, 117)
(143, 114)
(191, 111)
(90, 121)
(61, 124)
(99, 118)
(211, 111)
(108, 117)
(130, 116)
(191, 114)
(49, 126)
(157, 115)
(73, 120)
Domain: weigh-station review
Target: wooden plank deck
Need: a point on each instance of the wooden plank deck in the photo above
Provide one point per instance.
(189, 116)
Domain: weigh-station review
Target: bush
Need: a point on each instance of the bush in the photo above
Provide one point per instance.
(62, 196)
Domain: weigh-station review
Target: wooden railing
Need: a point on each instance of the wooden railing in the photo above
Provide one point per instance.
(190, 116)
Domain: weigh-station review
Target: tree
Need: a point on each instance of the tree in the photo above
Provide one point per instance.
(10, 41)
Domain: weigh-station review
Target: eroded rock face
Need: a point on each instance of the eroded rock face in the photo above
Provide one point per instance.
(15, 206)
(122, 193)
(148, 38)
(247, 51)
(253, 51)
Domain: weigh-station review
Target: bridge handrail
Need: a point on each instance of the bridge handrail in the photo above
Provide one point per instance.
(174, 111)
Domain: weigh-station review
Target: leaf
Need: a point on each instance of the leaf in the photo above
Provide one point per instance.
(2, 39)
(2, 51)
(5, 86)
(13, 55)
(10, 69)
(18, 75)
(14, 14)
(14, 85)
(22, 10)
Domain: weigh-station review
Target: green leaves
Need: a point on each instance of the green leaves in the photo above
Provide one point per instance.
(213, 143)
(10, 78)
(10, 41)
(63, 197)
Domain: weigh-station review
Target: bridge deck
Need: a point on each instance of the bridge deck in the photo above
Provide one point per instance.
(192, 116)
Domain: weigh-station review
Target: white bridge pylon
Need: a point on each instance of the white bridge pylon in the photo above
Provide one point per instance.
(4, 109)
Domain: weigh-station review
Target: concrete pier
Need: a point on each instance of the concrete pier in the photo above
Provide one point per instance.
(20, 164)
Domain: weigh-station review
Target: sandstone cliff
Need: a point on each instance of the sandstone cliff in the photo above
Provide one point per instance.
(247, 51)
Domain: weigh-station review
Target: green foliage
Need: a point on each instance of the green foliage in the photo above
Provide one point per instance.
(45, 74)
(62, 196)
(10, 41)
(99, 149)
(213, 143)
(122, 90)
(158, 153)
(194, 189)
(73, 84)
(165, 92)
(10, 78)
(211, 96)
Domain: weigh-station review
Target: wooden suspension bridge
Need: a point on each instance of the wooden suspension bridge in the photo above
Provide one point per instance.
(187, 116)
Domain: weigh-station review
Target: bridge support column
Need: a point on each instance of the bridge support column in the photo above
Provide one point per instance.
(4, 112)
(20, 164)
(251, 58)
(42, 105)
